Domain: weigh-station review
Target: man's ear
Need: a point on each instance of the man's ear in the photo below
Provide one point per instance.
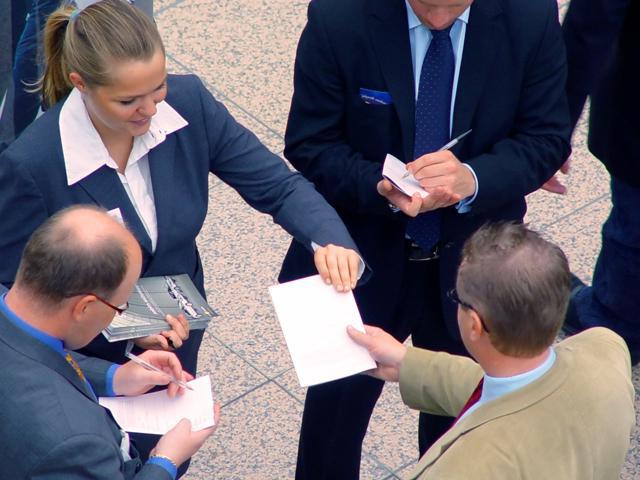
(80, 308)
(476, 329)
(77, 81)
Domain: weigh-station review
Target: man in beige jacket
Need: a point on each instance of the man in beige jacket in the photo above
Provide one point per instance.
(527, 409)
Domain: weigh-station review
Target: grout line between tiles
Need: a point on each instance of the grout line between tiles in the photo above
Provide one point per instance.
(244, 394)
(393, 476)
(408, 464)
(579, 209)
(283, 388)
(275, 380)
(248, 362)
(374, 459)
(220, 96)
(167, 7)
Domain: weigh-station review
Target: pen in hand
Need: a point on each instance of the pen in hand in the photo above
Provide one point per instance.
(446, 146)
(148, 366)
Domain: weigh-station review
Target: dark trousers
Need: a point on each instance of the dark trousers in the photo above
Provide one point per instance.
(613, 300)
(28, 64)
(336, 414)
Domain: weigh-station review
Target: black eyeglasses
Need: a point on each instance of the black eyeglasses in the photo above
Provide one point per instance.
(119, 309)
(453, 296)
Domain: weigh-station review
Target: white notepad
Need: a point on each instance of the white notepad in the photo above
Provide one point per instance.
(394, 169)
(158, 413)
(314, 319)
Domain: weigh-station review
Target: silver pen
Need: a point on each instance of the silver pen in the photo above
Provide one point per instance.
(447, 146)
(153, 368)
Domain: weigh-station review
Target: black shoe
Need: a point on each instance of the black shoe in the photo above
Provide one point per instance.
(572, 324)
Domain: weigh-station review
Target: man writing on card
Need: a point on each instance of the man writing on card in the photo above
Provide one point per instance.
(527, 408)
(76, 272)
(405, 77)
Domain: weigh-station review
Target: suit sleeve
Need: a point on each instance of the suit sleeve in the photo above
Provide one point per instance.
(265, 182)
(539, 139)
(89, 456)
(436, 382)
(589, 29)
(315, 139)
(18, 191)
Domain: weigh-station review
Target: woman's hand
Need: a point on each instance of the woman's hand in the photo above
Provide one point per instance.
(338, 266)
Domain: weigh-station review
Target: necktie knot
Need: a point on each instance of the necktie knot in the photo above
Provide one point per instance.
(438, 35)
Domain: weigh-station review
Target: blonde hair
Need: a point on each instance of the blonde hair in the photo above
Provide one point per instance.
(90, 40)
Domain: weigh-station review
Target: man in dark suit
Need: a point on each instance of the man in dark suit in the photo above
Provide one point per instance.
(368, 83)
(603, 41)
(70, 282)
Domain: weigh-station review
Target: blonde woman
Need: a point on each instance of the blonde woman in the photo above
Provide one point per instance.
(122, 134)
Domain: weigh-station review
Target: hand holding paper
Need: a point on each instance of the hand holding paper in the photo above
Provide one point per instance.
(384, 348)
(314, 317)
(181, 442)
(395, 171)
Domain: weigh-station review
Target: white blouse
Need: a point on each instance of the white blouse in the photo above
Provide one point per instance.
(84, 153)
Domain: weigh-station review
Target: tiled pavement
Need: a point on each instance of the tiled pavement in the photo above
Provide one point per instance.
(244, 53)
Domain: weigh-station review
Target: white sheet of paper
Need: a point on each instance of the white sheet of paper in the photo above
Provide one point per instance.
(394, 169)
(314, 319)
(158, 413)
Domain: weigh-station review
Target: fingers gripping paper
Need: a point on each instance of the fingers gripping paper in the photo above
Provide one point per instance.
(394, 171)
(314, 319)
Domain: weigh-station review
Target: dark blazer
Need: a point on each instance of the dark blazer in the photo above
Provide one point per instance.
(510, 92)
(603, 51)
(33, 186)
(50, 425)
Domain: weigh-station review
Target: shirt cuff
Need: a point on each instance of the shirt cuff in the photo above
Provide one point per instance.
(464, 206)
(109, 380)
(166, 464)
(361, 265)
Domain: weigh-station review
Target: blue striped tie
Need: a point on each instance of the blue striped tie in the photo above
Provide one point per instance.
(432, 122)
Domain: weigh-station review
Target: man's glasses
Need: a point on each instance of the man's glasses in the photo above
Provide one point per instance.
(453, 296)
(119, 309)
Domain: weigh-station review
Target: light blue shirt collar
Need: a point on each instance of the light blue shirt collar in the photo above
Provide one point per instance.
(496, 387)
(43, 337)
(414, 21)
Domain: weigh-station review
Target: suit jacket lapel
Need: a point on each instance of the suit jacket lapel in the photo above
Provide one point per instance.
(41, 353)
(389, 33)
(477, 59)
(106, 189)
(510, 403)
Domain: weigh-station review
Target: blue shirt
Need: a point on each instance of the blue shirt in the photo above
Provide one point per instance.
(496, 387)
(420, 39)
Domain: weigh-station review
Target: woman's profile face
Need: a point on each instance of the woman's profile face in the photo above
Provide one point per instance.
(126, 106)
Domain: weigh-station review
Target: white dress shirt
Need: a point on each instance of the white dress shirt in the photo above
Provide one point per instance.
(84, 153)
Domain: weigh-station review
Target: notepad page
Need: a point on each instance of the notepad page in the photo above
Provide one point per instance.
(158, 413)
(394, 169)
